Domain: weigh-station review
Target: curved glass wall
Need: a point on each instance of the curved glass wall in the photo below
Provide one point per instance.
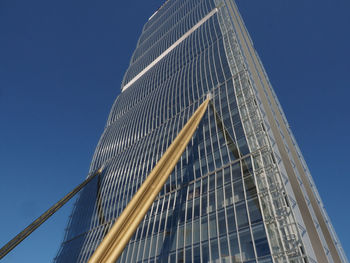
(227, 199)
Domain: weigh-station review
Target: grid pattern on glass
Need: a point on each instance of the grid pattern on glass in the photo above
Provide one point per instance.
(256, 129)
(225, 201)
(208, 209)
(283, 232)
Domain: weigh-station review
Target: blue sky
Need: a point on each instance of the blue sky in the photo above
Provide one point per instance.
(61, 65)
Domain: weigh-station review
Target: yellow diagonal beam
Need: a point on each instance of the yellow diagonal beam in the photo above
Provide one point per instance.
(119, 235)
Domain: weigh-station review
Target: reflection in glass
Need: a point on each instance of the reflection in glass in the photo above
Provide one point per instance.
(242, 219)
(234, 247)
(246, 244)
(260, 240)
(212, 226)
(214, 249)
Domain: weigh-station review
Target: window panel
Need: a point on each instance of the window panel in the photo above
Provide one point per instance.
(247, 249)
(260, 240)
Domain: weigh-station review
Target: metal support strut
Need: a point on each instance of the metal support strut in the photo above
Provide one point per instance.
(118, 237)
(121, 232)
(41, 219)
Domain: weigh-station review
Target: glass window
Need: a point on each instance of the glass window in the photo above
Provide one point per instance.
(196, 254)
(211, 163)
(260, 240)
(212, 226)
(147, 247)
(217, 159)
(211, 182)
(236, 255)
(227, 175)
(219, 179)
(188, 255)
(190, 192)
(153, 246)
(231, 221)
(189, 211)
(180, 256)
(196, 208)
(169, 220)
(180, 237)
(246, 244)
(220, 198)
(204, 185)
(205, 252)
(250, 187)
(173, 238)
(236, 171)
(254, 211)
(182, 213)
(241, 212)
(212, 202)
(162, 223)
(159, 245)
(238, 191)
(247, 166)
(228, 195)
(130, 252)
(141, 250)
(222, 223)
(197, 190)
(196, 231)
(214, 250)
(204, 228)
(172, 258)
(204, 167)
(242, 143)
(225, 255)
(188, 234)
(204, 204)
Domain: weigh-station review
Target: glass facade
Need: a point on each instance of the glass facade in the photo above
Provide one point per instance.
(237, 194)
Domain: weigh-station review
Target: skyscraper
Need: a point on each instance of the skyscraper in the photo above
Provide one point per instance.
(241, 191)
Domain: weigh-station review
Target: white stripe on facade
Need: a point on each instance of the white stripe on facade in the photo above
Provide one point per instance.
(166, 52)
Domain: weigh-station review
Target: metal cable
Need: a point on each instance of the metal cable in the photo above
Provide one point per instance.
(41, 219)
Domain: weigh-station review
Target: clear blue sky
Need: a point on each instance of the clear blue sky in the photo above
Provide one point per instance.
(61, 65)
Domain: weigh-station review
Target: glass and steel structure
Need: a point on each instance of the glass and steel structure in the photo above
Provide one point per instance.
(241, 191)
